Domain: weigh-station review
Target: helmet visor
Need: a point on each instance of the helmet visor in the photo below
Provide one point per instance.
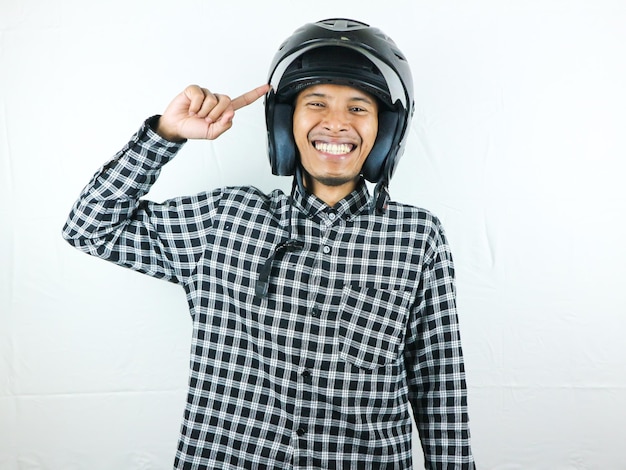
(330, 64)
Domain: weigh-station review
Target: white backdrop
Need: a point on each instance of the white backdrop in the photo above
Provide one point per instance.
(518, 145)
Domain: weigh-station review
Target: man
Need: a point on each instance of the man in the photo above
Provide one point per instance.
(321, 316)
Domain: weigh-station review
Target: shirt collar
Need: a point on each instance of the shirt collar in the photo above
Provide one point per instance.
(348, 207)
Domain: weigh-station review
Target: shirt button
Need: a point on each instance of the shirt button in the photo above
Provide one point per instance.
(315, 312)
(326, 249)
(301, 431)
(332, 216)
(306, 374)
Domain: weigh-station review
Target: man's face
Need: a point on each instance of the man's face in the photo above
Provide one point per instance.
(334, 127)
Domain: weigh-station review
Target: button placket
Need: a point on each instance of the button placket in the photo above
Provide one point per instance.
(327, 219)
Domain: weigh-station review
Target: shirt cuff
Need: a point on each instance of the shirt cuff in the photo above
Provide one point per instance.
(148, 148)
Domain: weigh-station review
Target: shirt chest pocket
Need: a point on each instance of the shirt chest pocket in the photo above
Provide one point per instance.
(371, 325)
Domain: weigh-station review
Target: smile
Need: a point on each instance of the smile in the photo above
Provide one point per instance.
(333, 149)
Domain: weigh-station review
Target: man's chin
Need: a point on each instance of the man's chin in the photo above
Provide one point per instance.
(334, 181)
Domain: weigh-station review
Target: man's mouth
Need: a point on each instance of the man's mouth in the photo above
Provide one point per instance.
(333, 149)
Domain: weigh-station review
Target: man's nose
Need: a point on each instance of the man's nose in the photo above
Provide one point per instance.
(336, 120)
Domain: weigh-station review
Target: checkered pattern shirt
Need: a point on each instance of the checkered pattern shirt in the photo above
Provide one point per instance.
(357, 323)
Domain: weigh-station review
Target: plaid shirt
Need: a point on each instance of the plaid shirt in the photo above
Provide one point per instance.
(357, 323)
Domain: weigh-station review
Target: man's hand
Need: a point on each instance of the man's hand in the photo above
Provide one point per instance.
(198, 113)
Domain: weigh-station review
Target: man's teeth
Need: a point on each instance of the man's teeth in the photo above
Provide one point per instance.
(334, 149)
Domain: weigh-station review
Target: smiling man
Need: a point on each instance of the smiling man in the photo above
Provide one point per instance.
(320, 318)
(334, 130)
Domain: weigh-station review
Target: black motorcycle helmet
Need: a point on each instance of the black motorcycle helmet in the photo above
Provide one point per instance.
(346, 52)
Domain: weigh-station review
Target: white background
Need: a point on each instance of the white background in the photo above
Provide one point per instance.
(518, 144)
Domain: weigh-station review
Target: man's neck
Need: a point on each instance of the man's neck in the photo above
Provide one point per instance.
(331, 195)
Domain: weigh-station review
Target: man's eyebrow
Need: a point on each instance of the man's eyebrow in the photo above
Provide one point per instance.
(364, 99)
(313, 95)
(317, 94)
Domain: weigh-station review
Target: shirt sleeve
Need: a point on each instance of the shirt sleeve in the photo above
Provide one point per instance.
(111, 221)
(435, 367)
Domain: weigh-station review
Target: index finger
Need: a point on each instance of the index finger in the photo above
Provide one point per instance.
(250, 97)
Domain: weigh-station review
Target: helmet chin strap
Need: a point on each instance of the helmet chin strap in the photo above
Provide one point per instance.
(381, 197)
(290, 245)
(298, 178)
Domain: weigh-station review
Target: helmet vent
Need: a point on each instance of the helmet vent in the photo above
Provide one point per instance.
(399, 55)
(341, 24)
